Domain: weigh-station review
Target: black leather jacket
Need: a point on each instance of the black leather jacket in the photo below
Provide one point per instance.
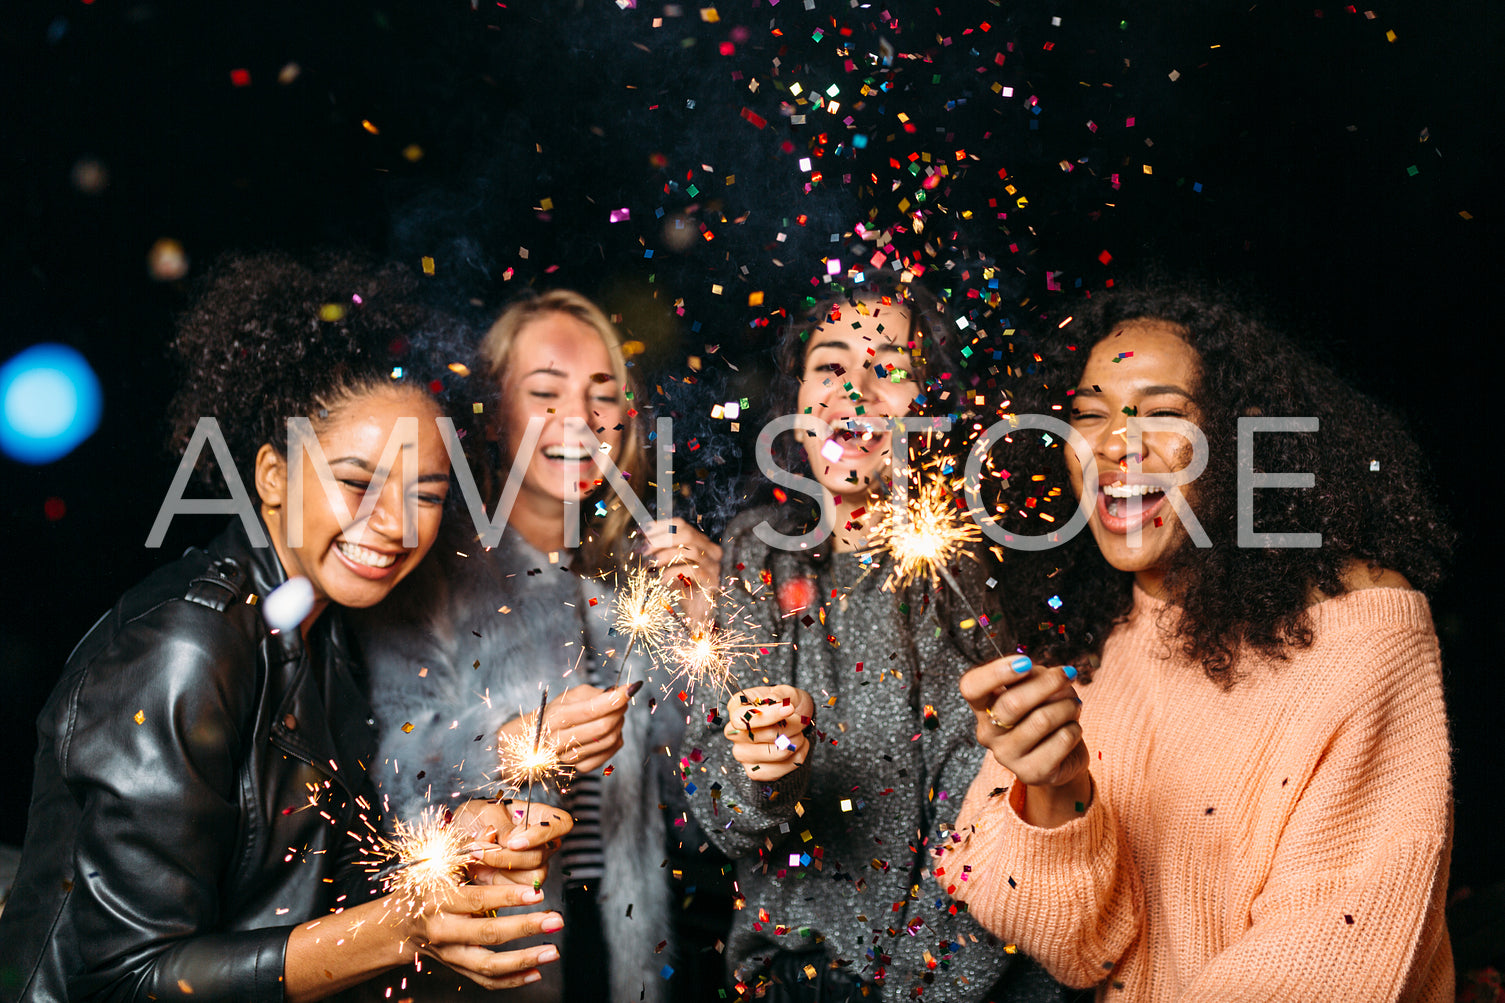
(197, 784)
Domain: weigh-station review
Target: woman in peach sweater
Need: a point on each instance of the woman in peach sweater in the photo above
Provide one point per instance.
(1250, 800)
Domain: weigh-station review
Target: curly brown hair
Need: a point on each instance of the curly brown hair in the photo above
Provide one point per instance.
(271, 336)
(1372, 502)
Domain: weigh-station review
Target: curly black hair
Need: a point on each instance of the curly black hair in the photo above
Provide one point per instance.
(1372, 502)
(271, 336)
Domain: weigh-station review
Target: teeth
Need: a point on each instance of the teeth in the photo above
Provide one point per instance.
(577, 453)
(365, 555)
(864, 427)
(1130, 490)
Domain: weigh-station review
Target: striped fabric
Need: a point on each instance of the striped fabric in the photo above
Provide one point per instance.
(581, 860)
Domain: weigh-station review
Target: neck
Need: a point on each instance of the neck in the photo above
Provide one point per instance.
(845, 535)
(540, 521)
(1152, 582)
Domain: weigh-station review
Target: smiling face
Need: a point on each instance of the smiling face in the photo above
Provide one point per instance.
(1157, 380)
(559, 371)
(357, 561)
(857, 368)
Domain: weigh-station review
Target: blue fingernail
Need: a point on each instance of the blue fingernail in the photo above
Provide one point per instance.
(1021, 664)
(1070, 671)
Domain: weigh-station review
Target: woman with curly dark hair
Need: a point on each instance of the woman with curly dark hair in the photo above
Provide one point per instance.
(1251, 798)
(845, 745)
(201, 787)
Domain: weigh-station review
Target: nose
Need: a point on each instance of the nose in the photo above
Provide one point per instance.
(1110, 442)
(389, 517)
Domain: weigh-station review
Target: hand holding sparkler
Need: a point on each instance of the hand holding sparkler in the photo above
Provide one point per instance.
(687, 561)
(510, 843)
(1029, 719)
(429, 908)
(766, 726)
(584, 730)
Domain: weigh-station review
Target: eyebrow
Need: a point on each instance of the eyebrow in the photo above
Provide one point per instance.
(885, 346)
(356, 461)
(1149, 391)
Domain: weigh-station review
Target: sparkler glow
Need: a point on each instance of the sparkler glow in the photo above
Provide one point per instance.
(924, 536)
(421, 861)
(706, 655)
(644, 613)
(524, 760)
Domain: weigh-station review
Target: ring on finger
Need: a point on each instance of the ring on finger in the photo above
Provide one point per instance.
(997, 723)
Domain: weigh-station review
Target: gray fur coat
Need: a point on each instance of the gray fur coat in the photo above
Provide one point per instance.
(468, 643)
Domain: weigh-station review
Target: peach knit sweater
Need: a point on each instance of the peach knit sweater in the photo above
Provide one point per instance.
(1287, 839)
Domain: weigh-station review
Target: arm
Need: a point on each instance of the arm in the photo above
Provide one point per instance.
(158, 810)
(1012, 875)
(159, 824)
(452, 924)
(1033, 839)
(740, 815)
(1353, 905)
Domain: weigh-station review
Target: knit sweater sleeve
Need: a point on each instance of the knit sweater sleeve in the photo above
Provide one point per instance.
(1070, 897)
(1351, 901)
(1354, 903)
(739, 814)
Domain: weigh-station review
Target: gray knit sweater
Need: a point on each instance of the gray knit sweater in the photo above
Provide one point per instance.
(838, 852)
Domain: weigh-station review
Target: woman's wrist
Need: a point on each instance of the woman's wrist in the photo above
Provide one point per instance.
(1050, 807)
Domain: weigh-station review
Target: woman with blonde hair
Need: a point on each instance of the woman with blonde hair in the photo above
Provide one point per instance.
(482, 635)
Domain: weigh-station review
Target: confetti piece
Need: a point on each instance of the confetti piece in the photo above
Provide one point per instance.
(140, 717)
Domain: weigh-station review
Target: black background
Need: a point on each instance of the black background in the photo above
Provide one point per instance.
(1300, 125)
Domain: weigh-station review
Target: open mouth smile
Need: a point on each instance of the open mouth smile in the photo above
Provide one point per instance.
(1115, 509)
(366, 562)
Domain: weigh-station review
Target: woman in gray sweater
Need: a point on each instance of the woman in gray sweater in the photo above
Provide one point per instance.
(844, 747)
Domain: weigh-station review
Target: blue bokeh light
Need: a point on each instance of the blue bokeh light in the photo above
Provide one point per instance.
(49, 403)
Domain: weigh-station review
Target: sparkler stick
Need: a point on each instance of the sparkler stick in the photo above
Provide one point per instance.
(537, 741)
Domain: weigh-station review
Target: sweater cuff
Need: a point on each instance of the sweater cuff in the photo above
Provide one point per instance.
(771, 796)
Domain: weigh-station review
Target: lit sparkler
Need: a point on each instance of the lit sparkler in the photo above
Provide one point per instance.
(524, 760)
(707, 654)
(421, 861)
(924, 536)
(644, 613)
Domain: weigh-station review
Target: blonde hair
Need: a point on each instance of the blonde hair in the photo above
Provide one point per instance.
(602, 546)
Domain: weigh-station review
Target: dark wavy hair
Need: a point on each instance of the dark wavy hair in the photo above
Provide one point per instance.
(1233, 598)
(271, 336)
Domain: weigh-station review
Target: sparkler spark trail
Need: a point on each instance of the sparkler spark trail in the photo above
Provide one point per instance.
(644, 613)
(924, 536)
(706, 655)
(522, 763)
(421, 861)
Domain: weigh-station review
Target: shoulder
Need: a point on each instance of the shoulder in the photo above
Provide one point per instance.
(186, 635)
(1358, 576)
(740, 544)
